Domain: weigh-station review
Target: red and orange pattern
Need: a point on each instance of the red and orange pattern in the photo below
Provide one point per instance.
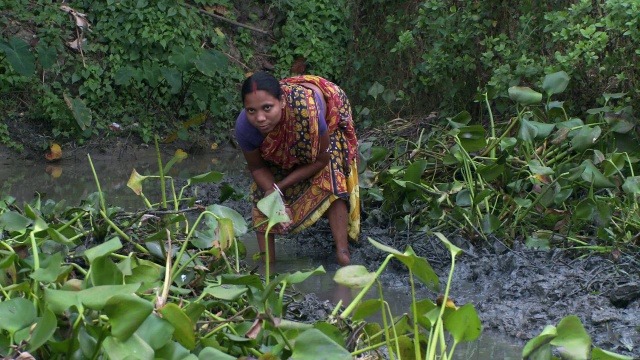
(295, 141)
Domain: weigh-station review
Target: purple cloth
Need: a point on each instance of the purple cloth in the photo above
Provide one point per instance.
(249, 138)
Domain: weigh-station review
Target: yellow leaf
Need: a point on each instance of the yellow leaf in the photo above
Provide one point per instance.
(219, 32)
(54, 170)
(214, 146)
(180, 155)
(135, 182)
(54, 153)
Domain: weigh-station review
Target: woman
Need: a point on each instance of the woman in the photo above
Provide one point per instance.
(298, 139)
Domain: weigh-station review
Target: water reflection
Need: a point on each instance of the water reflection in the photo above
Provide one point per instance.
(488, 346)
(72, 179)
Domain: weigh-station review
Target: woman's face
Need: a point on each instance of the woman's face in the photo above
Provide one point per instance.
(263, 110)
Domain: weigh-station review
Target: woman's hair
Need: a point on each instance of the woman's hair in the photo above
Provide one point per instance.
(262, 81)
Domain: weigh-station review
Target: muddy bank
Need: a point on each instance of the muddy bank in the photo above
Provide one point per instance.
(517, 291)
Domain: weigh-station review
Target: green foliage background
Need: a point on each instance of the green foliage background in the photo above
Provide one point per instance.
(152, 66)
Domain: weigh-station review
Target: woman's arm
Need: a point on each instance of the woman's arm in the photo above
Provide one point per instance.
(264, 178)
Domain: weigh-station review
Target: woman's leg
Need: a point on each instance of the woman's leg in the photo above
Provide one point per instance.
(272, 246)
(338, 221)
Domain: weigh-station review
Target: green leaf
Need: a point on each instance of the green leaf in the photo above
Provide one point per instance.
(96, 298)
(539, 347)
(631, 185)
(184, 332)
(332, 332)
(174, 79)
(585, 209)
(375, 90)
(315, 345)
(104, 249)
(47, 55)
(273, 207)
(105, 272)
(490, 223)
(524, 95)
(155, 331)
(126, 312)
(460, 120)
(452, 248)
(585, 138)
(354, 276)
(210, 177)
(182, 58)
(239, 224)
(527, 131)
(132, 348)
(61, 300)
(572, 341)
(16, 314)
(225, 291)
(80, 111)
(211, 62)
(367, 308)
(44, 330)
(415, 171)
(50, 269)
(555, 83)
(592, 175)
(123, 75)
(298, 276)
(19, 56)
(211, 353)
(13, 221)
(599, 354)
(463, 324)
(473, 138)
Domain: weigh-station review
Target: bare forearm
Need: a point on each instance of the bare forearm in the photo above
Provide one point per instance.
(263, 178)
(302, 173)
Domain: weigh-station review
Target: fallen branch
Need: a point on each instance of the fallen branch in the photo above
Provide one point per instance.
(222, 18)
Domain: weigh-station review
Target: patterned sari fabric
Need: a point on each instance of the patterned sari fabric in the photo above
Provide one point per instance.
(295, 141)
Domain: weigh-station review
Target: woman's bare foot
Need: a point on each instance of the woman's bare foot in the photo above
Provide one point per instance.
(343, 257)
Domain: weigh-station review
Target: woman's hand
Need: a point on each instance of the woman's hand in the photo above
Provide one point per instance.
(284, 226)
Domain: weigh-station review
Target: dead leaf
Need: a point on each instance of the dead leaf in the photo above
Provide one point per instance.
(217, 9)
(135, 182)
(450, 302)
(54, 153)
(299, 66)
(54, 170)
(79, 18)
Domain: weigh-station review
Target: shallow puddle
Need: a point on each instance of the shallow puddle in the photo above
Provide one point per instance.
(71, 179)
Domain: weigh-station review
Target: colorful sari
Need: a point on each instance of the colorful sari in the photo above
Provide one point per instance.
(295, 141)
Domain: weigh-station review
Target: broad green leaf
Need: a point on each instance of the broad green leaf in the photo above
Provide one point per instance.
(406, 347)
(463, 324)
(593, 176)
(104, 249)
(599, 354)
(97, 297)
(225, 291)
(555, 83)
(123, 75)
(19, 56)
(367, 308)
(388, 96)
(585, 138)
(155, 331)
(490, 223)
(60, 300)
(452, 248)
(415, 171)
(298, 276)
(44, 330)
(375, 90)
(211, 62)
(619, 123)
(472, 138)
(50, 269)
(87, 342)
(174, 79)
(182, 58)
(527, 132)
(378, 153)
(184, 332)
(13, 221)
(7, 259)
(210, 177)
(537, 169)
(239, 224)
(132, 348)
(126, 312)
(424, 307)
(273, 207)
(174, 351)
(16, 314)
(315, 345)
(80, 111)
(614, 164)
(421, 268)
(59, 237)
(572, 340)
(354, 276)
(242, 279)
(47, 55)
(491, 172)
(585, 210)
(105, 272)
(631, 185)
(332, 332)
(460, 120)
(211, 353)
(463, 198)
(539, 347)
(524, 95)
